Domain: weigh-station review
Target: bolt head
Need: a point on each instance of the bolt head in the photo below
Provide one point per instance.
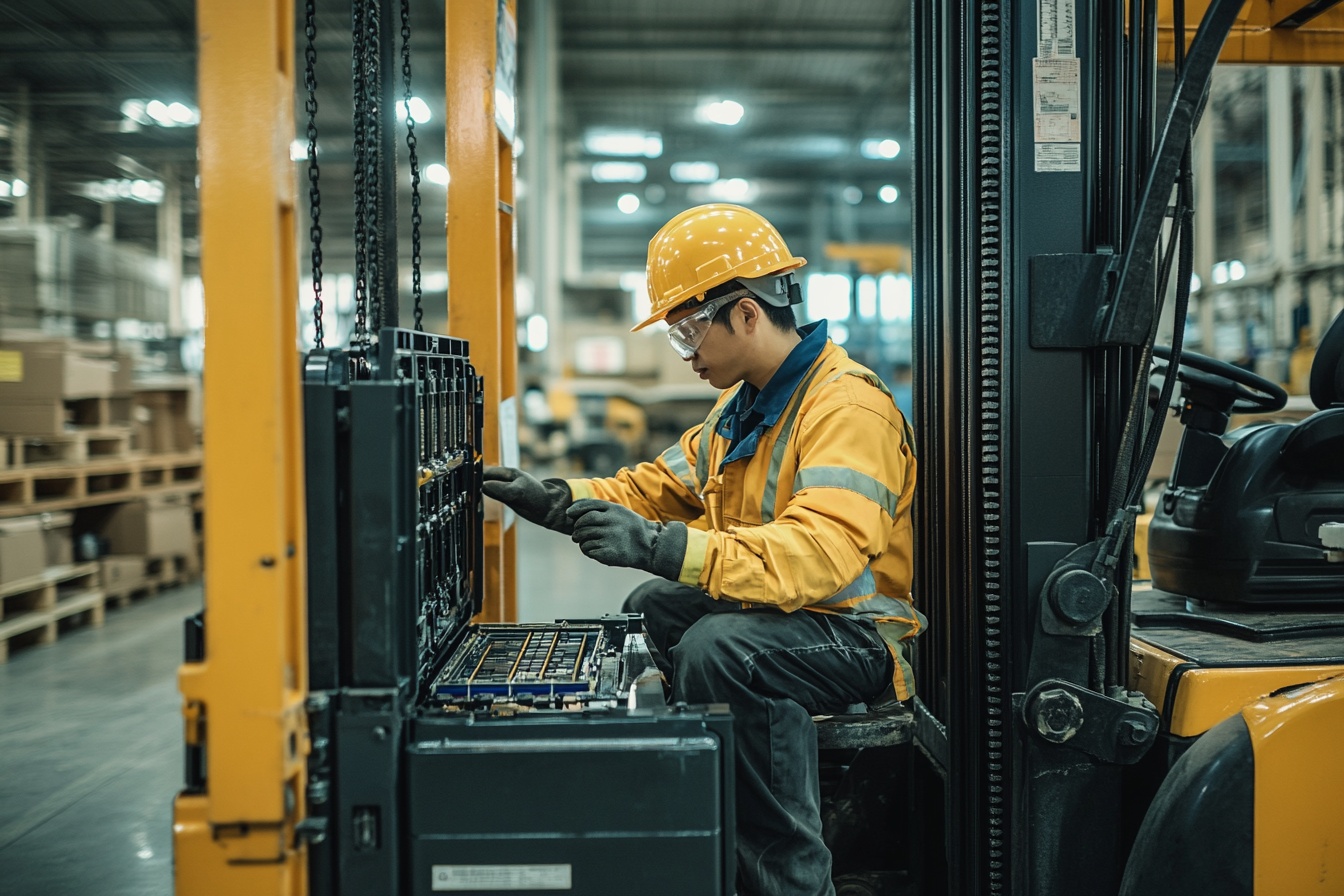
(1057, 715)
(1134, 732)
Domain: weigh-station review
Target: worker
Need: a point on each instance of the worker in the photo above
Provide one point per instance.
(779, 529)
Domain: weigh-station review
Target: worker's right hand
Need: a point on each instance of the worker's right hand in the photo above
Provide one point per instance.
(543, 503)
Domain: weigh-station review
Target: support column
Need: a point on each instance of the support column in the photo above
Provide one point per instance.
(1315, 229)
(541, 166)
(21, 141)
(243, 701)
(170, 242)
(480, 251)
(1279, 97)
(1206, 231)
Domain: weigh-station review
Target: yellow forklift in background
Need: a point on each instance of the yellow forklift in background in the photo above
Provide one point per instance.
(1075, 734)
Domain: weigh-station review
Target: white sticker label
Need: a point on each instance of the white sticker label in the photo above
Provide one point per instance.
(1059, 157)
(1055, 27)
(508, 444)
(501, 877)
(1055, 98)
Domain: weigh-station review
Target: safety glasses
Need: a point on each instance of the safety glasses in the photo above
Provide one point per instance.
(687, 334)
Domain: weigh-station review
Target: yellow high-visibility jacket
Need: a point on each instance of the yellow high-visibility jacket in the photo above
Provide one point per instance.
(817, 519)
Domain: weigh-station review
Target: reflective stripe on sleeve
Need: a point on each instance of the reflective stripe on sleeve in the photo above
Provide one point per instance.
(697, 545)
(676, 461)
(850, 480)
(580, 489)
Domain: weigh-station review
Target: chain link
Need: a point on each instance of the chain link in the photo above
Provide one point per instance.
(314, 194)
(360, 335)
(415, 162)
(372, 130)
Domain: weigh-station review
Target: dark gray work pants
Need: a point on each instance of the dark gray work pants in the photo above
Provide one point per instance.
(775, 670)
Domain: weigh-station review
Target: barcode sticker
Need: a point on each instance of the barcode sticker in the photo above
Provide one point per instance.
(501, 877)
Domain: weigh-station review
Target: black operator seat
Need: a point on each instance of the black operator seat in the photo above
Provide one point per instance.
(1240, 519)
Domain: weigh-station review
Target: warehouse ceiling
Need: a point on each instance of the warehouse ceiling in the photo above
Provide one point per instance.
(813, 81)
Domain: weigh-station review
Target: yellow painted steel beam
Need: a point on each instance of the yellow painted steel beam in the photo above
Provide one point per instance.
(1267, 32)
(245, 700)
(480, 252)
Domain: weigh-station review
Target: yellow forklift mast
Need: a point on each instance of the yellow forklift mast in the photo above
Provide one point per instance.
(1077, 736)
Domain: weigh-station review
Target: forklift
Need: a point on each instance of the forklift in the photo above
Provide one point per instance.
(1076, 732)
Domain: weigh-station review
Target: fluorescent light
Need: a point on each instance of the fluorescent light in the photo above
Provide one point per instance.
(1235, 269)
(876, 148)
(437, 174)
(1220, 272)
(613, 142)
(734, 189)
(725, 112)
(538, 333)
(628, 203)
(149, 192)
(839, 333)
(19, 188)
(888, 193)
(419, 110)
(1195, 283)
(694, 172)
(865, 291)
(852, 194)
(894, 297)
(167, 115)
(4, 189)
(517, 147)
(827, 297)
(434, 281)
(298, 150)
(619, 172)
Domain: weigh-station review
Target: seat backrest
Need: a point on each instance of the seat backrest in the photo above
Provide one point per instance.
(1316, 445)
(1327, 370)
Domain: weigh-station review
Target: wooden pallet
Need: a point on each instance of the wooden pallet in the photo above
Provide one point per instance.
(76, 447)
(160, 573)
(32, 609)
(58, 416)
(51, 487)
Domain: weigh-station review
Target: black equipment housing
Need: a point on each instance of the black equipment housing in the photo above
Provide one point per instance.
(1240, 518)
(415, 786)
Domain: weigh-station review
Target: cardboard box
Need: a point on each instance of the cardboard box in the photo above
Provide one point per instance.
(36, 372)
(121, 574)
(22, 550)
(162, 420)
(160, 526)
(56, 538)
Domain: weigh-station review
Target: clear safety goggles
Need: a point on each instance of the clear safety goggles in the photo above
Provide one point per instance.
(687, 334)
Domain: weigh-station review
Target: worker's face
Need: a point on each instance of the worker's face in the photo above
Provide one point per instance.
(722, 358)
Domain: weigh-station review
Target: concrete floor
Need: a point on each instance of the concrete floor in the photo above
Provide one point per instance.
(91, 735)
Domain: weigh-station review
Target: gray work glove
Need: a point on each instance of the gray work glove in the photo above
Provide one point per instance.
(532, 499)
(617, 536)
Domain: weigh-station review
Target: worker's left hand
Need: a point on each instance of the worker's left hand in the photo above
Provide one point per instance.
(617, 536)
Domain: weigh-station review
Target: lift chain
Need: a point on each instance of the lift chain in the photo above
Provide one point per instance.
(415, 162)
(314, 194)
(360, 335)
(372, 111)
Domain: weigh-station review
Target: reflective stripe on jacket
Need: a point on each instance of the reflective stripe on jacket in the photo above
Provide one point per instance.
(817, 519)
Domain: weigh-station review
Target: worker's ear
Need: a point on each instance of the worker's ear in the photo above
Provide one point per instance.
(751, 315)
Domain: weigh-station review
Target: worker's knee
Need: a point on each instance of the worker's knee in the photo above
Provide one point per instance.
(713, 648)
(636, 601)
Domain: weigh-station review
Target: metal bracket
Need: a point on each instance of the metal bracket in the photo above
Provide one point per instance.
(1066, 292)
(1118, 731)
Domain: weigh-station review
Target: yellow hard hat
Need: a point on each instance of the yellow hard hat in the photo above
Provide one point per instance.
(706, 246)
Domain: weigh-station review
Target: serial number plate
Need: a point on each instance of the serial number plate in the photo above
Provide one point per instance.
(502, 877)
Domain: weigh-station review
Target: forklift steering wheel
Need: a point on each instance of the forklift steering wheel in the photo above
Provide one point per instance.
(1252, 393)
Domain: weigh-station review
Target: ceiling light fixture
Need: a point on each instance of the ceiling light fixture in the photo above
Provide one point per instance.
(725, 112)
(613, 142)
(628, 203)
(619, 172)
(157, 112)
(419, 110)
(852, 194)
(888, 193)
(734, 189)
(437, 174)
(879, 148)
(694, 172)
(149, 192)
